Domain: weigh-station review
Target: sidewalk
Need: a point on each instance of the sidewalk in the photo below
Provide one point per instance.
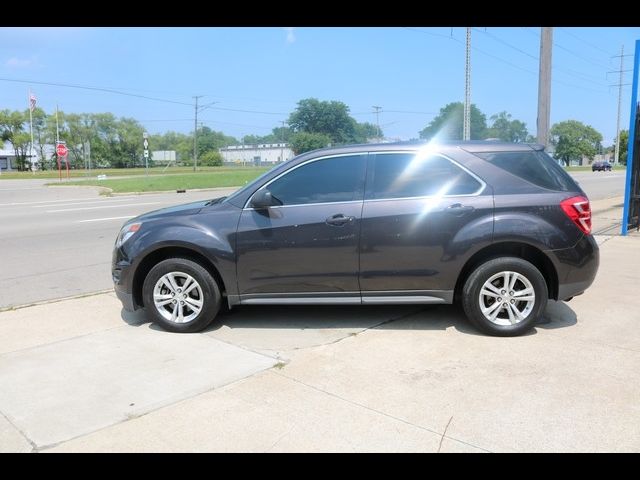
(81, 375)
(607, 216)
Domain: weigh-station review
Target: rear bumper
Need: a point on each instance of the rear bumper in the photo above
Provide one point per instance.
(576, 267)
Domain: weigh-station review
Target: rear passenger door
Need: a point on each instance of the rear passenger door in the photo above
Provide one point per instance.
(419, 209)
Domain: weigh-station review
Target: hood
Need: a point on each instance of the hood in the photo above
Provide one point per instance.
(184, 209)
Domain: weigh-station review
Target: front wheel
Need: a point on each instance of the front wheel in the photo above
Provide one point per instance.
(505, 296)
(181, 295)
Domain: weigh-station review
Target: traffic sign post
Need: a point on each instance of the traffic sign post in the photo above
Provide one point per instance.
(62, 152)
(145, 142)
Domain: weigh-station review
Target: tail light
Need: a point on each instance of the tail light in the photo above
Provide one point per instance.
(578, 210)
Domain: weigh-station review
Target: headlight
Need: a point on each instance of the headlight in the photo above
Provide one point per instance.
(127, 232)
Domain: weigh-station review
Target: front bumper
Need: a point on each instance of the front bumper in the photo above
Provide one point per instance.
(121, 273)
(126, 299)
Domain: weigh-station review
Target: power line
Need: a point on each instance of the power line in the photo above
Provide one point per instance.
(512, 64)
(99, 89)
(579, 56)
(426, 32)
(574, 73)
(497, 39)
(584, 41)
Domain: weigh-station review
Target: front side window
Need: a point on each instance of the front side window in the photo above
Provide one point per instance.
(335, 179)
(403, 175)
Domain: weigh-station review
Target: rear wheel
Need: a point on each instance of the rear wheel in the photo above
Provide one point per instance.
(181, 295)
(505, 296)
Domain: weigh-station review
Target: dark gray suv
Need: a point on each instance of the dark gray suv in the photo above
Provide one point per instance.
(498, 227)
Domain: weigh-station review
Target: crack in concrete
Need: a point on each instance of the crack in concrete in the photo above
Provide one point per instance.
(444, 433)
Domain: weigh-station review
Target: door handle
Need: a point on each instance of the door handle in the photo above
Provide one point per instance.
(459, 209)
(338, 220)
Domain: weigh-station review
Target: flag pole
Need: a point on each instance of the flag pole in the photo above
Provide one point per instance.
(57, 143)
(31, 129)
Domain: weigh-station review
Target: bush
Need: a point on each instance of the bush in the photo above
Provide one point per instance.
(210, 159)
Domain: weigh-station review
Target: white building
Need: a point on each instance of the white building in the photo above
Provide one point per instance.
(262, 154)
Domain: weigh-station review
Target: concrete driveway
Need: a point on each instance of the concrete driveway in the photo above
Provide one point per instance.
(81, 375)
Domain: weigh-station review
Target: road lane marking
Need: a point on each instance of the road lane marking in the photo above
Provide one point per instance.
(105, 219)
(13, 204)
(103, 206)
(82, 203)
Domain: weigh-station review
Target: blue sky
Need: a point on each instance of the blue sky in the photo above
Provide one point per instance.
(410, 72)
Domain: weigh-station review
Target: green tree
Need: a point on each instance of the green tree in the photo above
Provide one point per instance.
(40, 137)
(506, 129)
(366, 131)
(329, 118)
(624, 144)
(12, 130)
(212, 158)
(573, 140)
(130, 137)
(304, 141)
(449, 122)
(21, 142)
(210, 140)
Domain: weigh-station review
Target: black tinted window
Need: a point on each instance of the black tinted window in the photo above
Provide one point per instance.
(400, 175)
(338, 179)
(534, 166)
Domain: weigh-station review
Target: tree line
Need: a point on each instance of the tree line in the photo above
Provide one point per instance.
(117, 142)
(571, 139)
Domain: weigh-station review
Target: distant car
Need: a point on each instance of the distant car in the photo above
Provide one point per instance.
(601, 167)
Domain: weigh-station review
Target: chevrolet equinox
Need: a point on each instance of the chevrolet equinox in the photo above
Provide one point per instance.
(499, 227)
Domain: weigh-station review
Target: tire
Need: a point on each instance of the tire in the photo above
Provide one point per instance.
(200, 302)
(507, 323)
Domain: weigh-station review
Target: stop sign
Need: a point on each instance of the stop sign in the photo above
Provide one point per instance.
(61, 150)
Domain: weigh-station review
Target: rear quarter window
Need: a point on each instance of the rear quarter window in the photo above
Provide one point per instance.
(533, 166)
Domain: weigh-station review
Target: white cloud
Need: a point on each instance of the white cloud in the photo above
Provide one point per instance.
(15, 62)
(291, 37)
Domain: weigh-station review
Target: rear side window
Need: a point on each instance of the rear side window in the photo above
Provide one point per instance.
(403, 175)
(534, 166)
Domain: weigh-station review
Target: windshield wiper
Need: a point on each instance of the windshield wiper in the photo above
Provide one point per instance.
(214, 201)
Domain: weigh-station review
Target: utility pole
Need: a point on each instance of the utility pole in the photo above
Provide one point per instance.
(282, 141)
(195, 135)
(620, 84)
(544, 85)
(466, 120)
(377, 112)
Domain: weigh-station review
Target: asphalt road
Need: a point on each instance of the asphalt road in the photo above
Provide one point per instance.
(57, 241)
(599, 185)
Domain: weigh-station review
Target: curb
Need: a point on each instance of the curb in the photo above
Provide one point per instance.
(55, 300)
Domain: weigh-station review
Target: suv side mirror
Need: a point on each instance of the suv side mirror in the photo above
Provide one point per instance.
(262, 199)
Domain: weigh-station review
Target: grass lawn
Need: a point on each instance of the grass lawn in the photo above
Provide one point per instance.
(113, 172)
(215, 177)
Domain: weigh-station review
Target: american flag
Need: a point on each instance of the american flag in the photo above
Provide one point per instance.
(32, 101)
